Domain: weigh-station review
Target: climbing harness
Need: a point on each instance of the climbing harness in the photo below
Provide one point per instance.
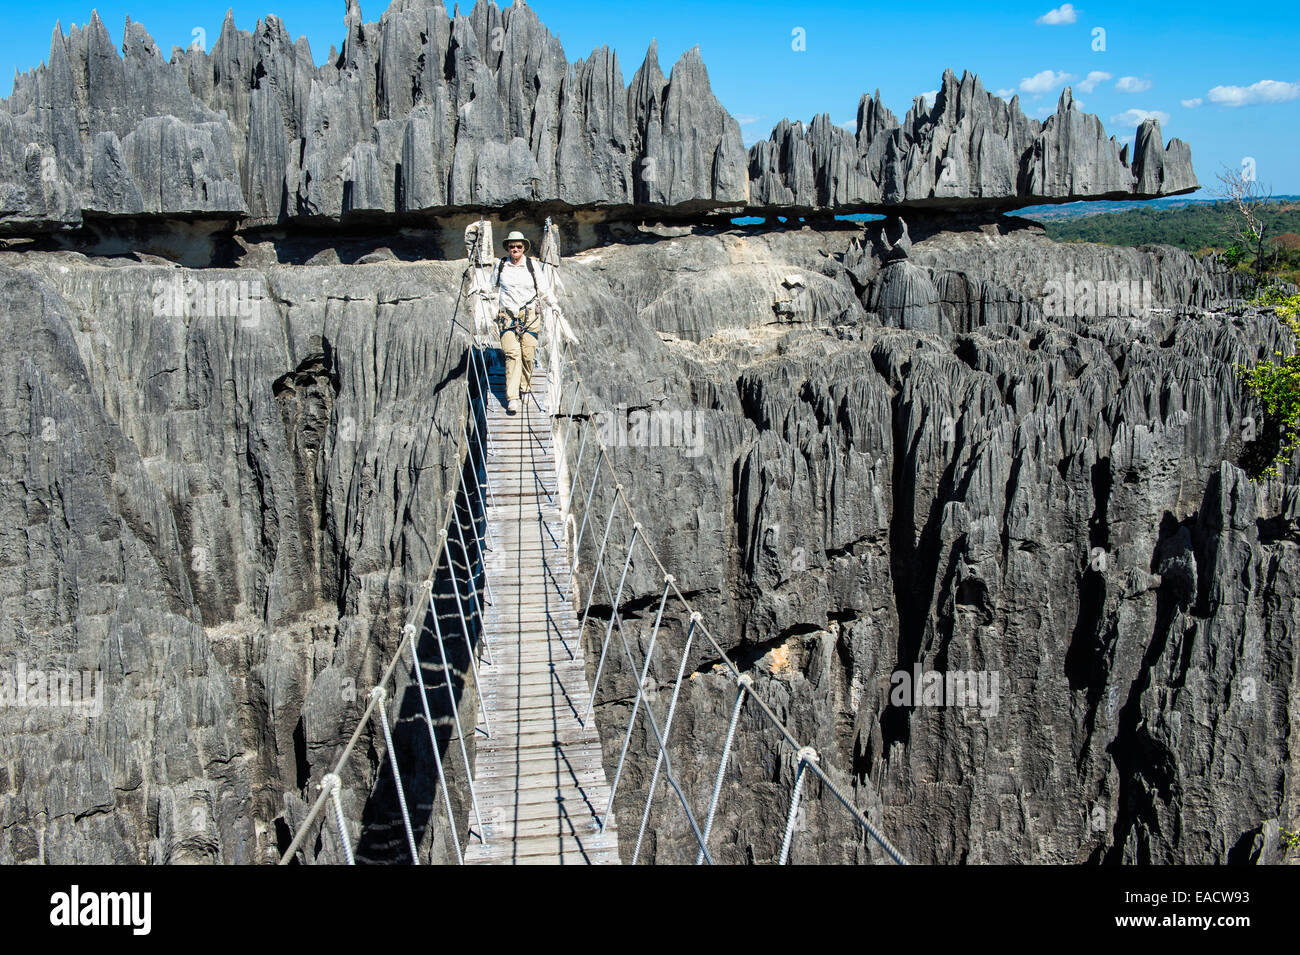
(518, 322)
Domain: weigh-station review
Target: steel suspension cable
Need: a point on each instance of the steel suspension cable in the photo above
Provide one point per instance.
(619, 495)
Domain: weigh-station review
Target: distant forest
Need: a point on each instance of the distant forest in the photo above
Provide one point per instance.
(1196, 227)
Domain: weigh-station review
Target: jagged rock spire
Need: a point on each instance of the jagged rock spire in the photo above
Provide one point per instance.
(427, 113)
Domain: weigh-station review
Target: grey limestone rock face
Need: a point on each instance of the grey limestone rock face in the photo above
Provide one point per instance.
(219, 488)
(905, 297)
(419, 113)
(223, 496)
(1048, 498)
(970, 149)
(937, 445)
(424, 115)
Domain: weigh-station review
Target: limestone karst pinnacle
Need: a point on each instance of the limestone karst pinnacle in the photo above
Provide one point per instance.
(422, 114)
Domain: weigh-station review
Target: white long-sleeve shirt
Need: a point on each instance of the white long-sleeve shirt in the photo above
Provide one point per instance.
(515, 286)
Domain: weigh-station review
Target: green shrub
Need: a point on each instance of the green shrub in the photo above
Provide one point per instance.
(1276, 384)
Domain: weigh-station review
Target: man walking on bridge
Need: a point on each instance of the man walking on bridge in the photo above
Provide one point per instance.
(522, 286)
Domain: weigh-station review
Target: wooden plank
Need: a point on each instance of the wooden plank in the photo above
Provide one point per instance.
(570, 849)
(512, 794)
(511, 695)
(524, 623)
(568, 817)
(531, 758)
(532, 735)
(558, 646)
(525, 704)
(571, 678)
(501, 622)
(552, 628)
(544, 676)
(556, 755)
(571, 674)
(536, 687)
(507, 567)
(505, 666)
(518, 697)
(504, 703)
(518, 670)
(568, 764)
(556, 816)
(577, 768)
(537, 557)
(512, 614)
(536, 636)
(538, 840)
(504, 625)
(512, 699)
(536, 690)
(523, 707)
(527, 791)
(530, 577)
(517, 830)
(526, 707)
(544, 602)
(539, 553)
(508, 663)
(541, 581)
(601, 857)
(541, 776)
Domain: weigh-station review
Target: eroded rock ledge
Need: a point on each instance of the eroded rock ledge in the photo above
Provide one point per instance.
(422, 115)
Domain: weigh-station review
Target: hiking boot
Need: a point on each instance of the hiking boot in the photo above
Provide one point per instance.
(513, 406)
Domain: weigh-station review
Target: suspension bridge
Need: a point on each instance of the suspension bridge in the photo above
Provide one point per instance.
(505, 594)
(539, 777)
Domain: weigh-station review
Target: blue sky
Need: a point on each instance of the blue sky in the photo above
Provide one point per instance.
(1226, 76)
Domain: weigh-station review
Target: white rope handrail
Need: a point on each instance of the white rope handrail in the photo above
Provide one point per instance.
(563, 357)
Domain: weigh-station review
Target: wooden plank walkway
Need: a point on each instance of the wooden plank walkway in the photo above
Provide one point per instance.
(539, 778)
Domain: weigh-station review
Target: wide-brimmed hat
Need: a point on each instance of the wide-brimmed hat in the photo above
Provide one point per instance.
(517, 237)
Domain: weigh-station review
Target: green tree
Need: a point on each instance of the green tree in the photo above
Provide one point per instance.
(1246, 200)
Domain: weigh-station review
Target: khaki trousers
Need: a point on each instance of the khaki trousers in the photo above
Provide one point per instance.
(520, 351)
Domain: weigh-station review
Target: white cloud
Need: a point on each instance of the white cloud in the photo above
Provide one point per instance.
(851, 125)
(1265, 91)
(1065, 13)
(1131, 84)
(1007, 94)
(1134, 117)
(1044, 82)
(930, 96)
(1193, 103)
(1089, 83)
(746, 119)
